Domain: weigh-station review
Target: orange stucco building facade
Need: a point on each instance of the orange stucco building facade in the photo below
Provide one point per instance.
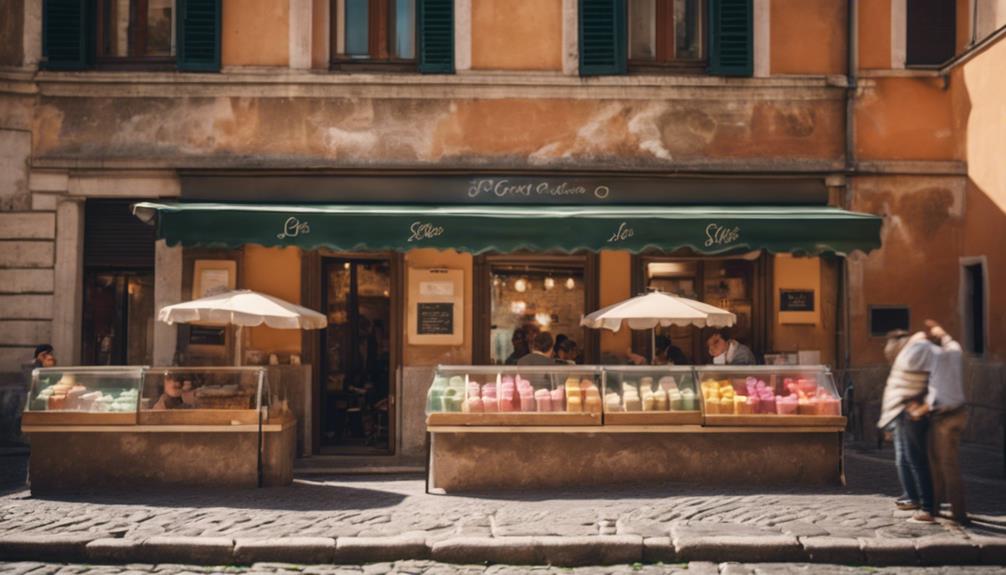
(921, 147)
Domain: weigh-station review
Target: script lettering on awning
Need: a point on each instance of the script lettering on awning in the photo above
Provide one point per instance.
(718, 235)
(623, 233)
(424, 231)
(503, 187)
(292, 228)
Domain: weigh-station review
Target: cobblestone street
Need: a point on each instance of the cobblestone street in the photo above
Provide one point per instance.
(388, 506)
(396, 509)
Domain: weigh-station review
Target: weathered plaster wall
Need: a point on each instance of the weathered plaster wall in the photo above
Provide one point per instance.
(875, 34)
(906, 119)
(255, 33)
(516, 35)
(445, 132)
(818, 28)
(794, 274)
(320, 33)
(275, 272)
(918, 264)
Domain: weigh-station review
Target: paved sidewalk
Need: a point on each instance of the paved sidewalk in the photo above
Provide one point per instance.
(374, 519)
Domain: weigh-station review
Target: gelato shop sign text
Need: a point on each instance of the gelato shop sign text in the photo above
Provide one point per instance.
(506, 188)
(717, 235)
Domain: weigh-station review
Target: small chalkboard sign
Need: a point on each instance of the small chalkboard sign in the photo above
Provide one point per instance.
(435, 318)
(205, 335)
(796, 300)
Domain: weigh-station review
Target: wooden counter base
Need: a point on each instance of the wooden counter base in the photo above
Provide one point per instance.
(462, 459)
(82, 458)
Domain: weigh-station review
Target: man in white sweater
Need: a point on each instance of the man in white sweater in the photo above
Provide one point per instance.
(944, 405)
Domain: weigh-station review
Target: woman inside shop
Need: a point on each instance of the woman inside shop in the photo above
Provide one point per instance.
(725, 350)
(667, 354)
(566, 351)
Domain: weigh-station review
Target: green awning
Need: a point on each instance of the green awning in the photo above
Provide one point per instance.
(348, 227)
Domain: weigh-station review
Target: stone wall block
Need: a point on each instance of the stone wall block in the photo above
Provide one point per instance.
(26, 254)
(25, 307)
(27, 226)
(17, 281)
(25, 333)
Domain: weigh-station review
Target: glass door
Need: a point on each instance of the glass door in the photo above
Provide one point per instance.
(118, 320)
(356, 403)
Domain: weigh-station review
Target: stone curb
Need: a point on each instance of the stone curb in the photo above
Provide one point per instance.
(64, 547)
(576, 551)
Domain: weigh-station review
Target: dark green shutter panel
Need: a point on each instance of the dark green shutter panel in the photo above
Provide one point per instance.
(603, 37)
(731, 51)
(64, 34)
(436, 36)
(199, 35)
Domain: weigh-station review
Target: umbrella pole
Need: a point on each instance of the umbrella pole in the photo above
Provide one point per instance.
(653, 345)
(237, 346)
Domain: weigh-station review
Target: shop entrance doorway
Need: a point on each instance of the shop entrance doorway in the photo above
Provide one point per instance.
(357, 391)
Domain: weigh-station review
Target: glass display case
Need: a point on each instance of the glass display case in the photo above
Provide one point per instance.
(205, 396)
(83, 396)
(515, 395)
(650, 395)
(769, 395)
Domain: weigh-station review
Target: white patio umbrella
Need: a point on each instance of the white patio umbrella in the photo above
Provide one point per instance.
(658, 308)
(243, 308)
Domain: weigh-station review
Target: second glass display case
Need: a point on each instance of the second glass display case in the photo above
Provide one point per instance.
(515, 395)
(650, 395)
(203, 396)
(769, 395)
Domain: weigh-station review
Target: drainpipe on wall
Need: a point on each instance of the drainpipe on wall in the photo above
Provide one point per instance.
(852, 64)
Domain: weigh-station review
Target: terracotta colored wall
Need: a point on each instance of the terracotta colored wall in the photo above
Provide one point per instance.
(517, 35)
(918, 264)
(875, 34)
(616, 285)
(427, 355)
(985, 227)
(808, 37)
(276, 272)
(906, 119)
(255, 33)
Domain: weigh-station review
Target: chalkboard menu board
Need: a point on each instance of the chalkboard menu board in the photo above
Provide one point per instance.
(435, 318)
(796, 300)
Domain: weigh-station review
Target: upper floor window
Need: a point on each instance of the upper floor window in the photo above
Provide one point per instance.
(381, 33)
(931, 32)
(665, 33)
(182, 34)
(616, 36)
(136, 30)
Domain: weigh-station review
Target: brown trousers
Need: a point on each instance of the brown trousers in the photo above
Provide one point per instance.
(945, 429)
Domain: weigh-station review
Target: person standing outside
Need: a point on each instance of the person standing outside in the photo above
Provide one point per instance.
(945, 407)
(912, 359)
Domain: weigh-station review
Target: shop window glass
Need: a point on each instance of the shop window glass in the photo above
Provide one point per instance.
(724, 283)
(374, 31)
(136, 29)
(665, 31)
(544, 298)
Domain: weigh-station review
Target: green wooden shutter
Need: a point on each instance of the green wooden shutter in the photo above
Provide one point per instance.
(603, 37)
(731, 51)
(64, 34)
(436, 36)
(199, 35)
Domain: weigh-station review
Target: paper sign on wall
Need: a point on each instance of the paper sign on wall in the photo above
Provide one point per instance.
(436, 307)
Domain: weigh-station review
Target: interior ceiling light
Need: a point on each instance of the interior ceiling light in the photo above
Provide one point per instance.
(518, 307)
(549, 283)
(543, 319)
(520, 285)
(570, 283)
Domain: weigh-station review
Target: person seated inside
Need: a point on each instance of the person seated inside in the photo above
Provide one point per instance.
(177, 395)
(567, 352)
(667, 354)
(521, 346)
(541, 351)
(727, 351)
